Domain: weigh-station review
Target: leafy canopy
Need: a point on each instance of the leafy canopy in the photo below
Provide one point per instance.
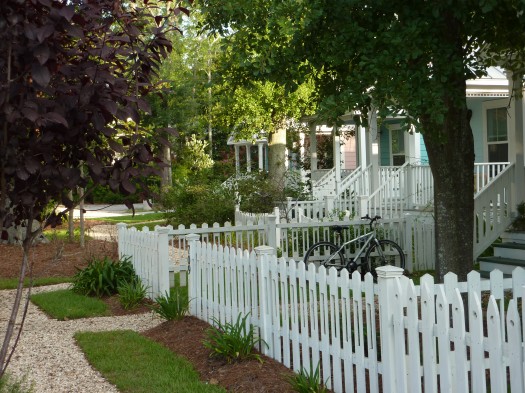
(72, 74)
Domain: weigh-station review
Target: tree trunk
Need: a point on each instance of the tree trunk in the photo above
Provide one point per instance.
(453, 171)
(277, 155)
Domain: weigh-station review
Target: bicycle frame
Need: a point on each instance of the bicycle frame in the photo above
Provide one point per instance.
(370, 236)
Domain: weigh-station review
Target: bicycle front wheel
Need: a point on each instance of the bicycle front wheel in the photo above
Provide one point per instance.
(327, 254)
(384, 252)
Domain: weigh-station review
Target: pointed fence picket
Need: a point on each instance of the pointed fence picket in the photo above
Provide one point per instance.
(428, 339)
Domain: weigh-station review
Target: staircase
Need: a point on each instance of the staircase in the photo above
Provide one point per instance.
(508, 255)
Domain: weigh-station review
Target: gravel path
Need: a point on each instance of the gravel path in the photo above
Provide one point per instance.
(47, 354)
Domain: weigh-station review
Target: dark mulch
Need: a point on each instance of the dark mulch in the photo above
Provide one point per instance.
(185, 337)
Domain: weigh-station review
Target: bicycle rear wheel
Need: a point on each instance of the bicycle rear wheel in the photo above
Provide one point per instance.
(326, 254)
(384, 252)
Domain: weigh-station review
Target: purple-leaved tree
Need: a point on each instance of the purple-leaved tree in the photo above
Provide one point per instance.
(71, 73)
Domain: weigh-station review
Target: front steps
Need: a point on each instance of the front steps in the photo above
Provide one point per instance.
(508, 255)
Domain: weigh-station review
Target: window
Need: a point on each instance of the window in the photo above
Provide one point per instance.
(398, 147)
(497, 139)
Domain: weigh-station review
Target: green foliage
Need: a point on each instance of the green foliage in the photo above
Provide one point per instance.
(131, 293)
(259, 193)
(519, 222)
(173, 305)
(135, 364)
(102, 277)
(194, 201)
(66, 304)
(234, 342)
(308, 382)
(104, 194)
(9, 384)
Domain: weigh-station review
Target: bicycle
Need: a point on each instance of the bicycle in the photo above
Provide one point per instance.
(373, 252)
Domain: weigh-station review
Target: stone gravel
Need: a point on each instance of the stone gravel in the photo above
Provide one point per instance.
(47, 355)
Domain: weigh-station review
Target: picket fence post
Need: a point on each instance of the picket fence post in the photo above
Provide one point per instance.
(193, 283)
(273, 236)
(386, 276)
(121, 227)
(163, 255)
(263, 253)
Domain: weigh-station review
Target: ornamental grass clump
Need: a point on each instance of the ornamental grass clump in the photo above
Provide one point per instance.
(308, 382)
(102, 277)
(131, 293)
(173, 305)
(234, 342)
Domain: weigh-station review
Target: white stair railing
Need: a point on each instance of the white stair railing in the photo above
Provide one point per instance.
(485, 172)
(493, 206)
(388, 199)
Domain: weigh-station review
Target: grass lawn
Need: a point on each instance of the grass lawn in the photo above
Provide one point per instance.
(66, 304)
(11, 283)
(136, 364)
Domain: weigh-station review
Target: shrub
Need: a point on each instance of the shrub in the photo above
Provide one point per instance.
(131, 293)
(234, 342)
(102, 277)
(308, 382)
(197, 200)
(173, 305)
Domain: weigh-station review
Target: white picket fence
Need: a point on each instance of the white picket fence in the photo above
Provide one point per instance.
(153, 259)
(391, 336)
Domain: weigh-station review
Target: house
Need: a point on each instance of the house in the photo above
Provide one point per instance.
(384, 170)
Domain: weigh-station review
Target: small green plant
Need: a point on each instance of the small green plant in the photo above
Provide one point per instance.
(131, 293)
(173, 305)
(308, 382)
(102, 277)
(234, 342)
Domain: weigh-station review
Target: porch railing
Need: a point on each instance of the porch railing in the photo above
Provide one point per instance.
(492, 209)
(485, 172)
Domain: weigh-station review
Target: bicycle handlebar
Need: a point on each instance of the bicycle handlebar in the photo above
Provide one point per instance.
(372, 220)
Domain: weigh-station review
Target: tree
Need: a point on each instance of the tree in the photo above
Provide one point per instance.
(409, 58)
(266, 107)
(71, 74)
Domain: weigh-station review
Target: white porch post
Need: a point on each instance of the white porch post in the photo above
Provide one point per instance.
(313, 147)
(237, 163)
(413, 156)
(260, 156)
(373, 145)
(248, 158)
(516, 148)
(362, 151)
(337, 159)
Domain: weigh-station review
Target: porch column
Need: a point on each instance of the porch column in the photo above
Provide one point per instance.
(413, 157)
(373, 152)
(337, 158)
(248, 158)
(361, 148)
(237, 163)
(313, 147)
(516, 148)
(260, 156)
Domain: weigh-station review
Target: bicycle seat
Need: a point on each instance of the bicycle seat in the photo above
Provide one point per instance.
(339, 228)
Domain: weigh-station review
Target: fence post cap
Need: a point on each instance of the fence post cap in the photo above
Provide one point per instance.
(264, 250)
(192, 237)
(121, 225)
(389, 271)
(162, 230)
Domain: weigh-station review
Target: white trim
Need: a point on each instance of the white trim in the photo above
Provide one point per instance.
(493, 104)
